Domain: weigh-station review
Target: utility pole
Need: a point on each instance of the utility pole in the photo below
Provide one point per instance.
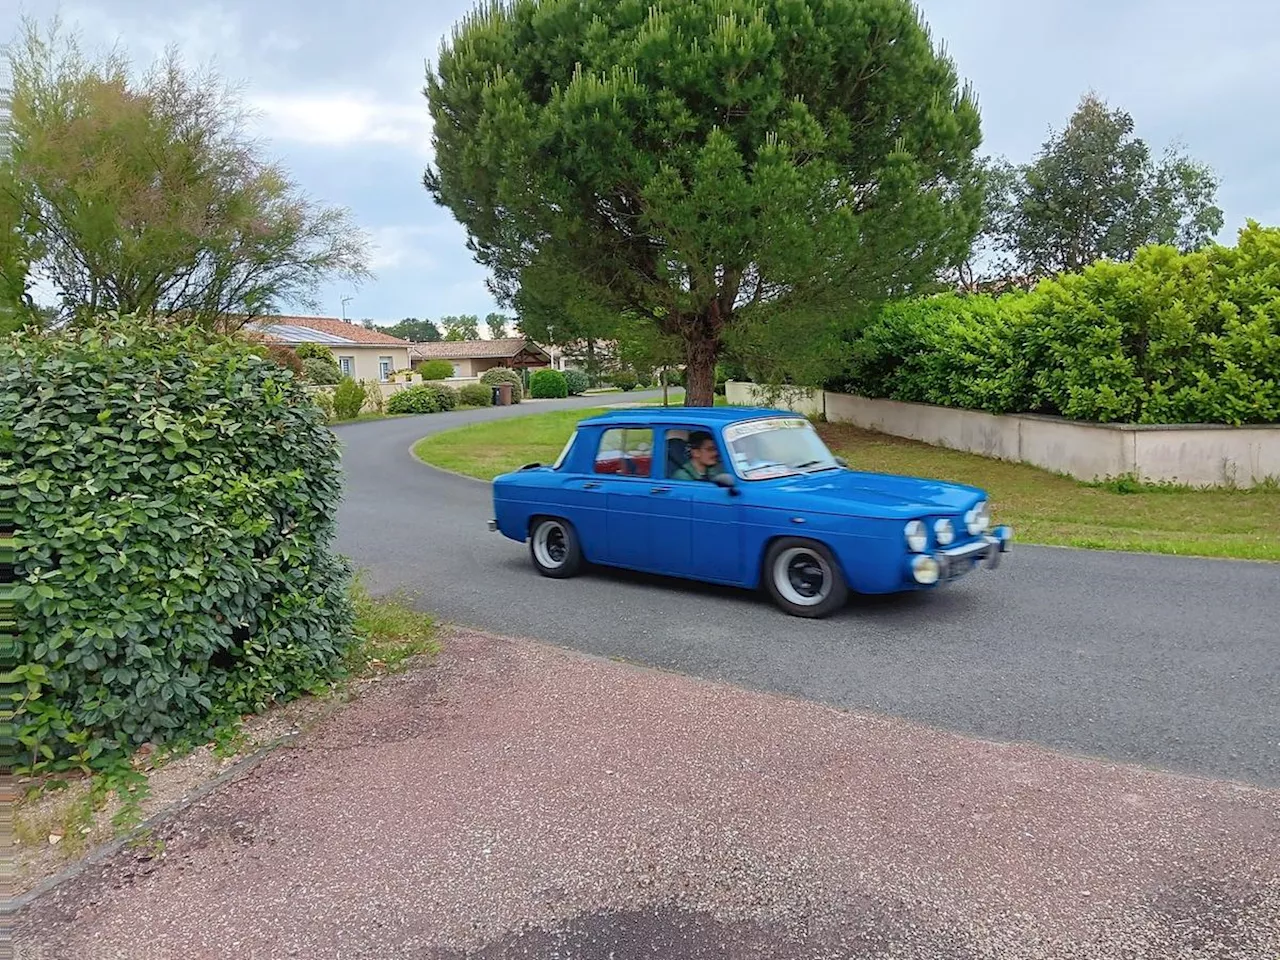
(345, 301)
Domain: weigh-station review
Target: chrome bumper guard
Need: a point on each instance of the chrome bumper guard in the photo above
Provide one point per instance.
(492, 525)
(955, 562)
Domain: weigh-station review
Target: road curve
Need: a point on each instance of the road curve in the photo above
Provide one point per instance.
(1163, 661)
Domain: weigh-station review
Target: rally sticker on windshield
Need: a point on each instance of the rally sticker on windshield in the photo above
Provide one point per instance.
(737, 431)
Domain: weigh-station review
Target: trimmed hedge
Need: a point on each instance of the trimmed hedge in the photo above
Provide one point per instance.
(434, 370)
(1167, 338)
(625, 380)
(175, 501)
(423, 398)
(314, 351)
(548, 385)
(576, 382)
(475, 395)
(496, 375)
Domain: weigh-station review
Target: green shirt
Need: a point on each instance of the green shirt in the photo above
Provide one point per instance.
(690, 471)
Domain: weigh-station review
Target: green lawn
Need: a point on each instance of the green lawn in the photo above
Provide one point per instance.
(1042, 507)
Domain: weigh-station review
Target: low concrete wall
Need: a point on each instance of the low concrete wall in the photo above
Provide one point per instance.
(1199, 455)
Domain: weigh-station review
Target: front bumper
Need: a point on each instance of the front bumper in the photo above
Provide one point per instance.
(953, 563)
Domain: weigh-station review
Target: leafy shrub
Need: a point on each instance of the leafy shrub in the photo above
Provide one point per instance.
(374, 400)
(323, 373)
(282, 356)
(1166, 338)
(348, 399)
(576, 382)
(674, 377)
(548, 385)
(314, 351)
(175, 500)
(950, 350)
(496, 375)
(324, 400)
(434, 369)
(625, 380)
(423, 398)
(475, 395)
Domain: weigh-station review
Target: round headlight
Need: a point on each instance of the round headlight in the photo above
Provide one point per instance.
(978, 519)
(945, 531)
(917, 536)
(926, 570)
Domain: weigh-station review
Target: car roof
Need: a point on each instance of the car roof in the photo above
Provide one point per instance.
(697, 416)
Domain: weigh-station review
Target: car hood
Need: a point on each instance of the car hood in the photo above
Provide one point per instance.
(882, 494)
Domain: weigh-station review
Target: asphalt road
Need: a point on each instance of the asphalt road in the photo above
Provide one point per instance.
(1167, 662)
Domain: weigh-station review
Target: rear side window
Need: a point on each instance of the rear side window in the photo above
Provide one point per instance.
(625, 452)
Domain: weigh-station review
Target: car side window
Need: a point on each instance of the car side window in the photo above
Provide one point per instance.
(626, 452)
(691, 454)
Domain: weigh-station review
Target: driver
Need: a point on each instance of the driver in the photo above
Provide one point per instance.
(704, 458)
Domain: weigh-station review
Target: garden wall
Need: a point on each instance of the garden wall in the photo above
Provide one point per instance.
(1197, 455)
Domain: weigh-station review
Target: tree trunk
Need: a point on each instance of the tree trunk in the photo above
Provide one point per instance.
(700, 353)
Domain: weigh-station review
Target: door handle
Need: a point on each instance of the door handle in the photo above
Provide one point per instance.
(590, 485)
(660, 490)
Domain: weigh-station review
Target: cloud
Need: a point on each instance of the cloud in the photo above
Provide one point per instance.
(398, 247)
(343, 119)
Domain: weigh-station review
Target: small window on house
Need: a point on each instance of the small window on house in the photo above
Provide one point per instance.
(457, 369)
(384, 369)
(347, 365)
(626, 452)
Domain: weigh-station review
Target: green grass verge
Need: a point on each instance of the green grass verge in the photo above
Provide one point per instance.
(1042, 507)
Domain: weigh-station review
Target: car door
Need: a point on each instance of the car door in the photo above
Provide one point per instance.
(695, 521)
(624, 471)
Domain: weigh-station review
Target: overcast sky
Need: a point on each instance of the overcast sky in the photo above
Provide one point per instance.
(338, 86)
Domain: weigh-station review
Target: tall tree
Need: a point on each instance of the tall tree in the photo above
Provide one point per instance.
(497, 324)
(464, 327)
(411, 328)
(146, 195)
(710, 165)
(1095, 191)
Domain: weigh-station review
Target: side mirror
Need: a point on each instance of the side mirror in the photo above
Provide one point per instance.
(843, 462)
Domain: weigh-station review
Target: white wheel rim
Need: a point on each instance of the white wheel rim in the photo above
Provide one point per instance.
(802, 576)
(551, 541)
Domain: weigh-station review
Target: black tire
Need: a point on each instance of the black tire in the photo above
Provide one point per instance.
(811, 582)
(554, 548)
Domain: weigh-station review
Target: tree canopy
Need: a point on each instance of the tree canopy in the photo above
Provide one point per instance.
(147, 196)
(411, 328)
(464, 327)
(1095, 192)
(711, 166)
(498, 324)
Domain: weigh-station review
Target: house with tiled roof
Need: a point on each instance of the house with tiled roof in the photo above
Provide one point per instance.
(361, 353)
(470, 358)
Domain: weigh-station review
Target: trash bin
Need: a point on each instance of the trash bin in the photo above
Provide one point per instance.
(504, 394)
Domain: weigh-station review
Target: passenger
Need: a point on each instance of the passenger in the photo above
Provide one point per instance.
(704, 458)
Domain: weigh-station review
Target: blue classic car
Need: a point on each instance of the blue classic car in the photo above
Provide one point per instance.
(741, 496)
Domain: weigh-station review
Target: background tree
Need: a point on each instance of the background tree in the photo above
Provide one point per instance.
(411, 328)
(497, 324)
(146, 195)
(1094, 191)
(709, 165)
(465, 327)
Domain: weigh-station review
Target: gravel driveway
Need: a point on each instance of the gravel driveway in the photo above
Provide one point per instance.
(521, 801)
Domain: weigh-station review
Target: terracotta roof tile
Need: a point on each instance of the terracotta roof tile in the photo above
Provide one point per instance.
(473, 349)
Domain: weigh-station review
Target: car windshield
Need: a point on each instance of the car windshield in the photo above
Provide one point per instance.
(777, 447)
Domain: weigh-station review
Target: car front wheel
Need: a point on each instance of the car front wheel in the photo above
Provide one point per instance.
(553, 545)
(804, 579)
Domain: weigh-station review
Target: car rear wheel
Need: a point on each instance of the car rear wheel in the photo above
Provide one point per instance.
(553, 545)
(804, 579)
